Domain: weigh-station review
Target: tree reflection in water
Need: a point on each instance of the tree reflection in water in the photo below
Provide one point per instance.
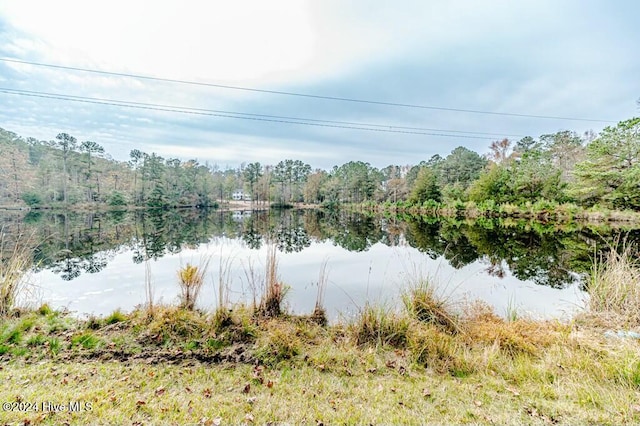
(548, 254)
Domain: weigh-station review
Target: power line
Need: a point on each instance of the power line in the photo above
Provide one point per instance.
(303, 95)
(278, 117)
(194, 111)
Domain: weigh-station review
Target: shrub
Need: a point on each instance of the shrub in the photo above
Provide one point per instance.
(32, 199)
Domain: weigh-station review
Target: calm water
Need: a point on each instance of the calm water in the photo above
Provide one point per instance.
(96, 263)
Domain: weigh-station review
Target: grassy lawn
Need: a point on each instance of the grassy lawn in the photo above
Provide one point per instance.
(184, 367)
(426, 364)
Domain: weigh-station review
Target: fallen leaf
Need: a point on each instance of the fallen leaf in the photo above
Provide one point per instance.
(321, 367)
(393, 390)
(513, 391)
(402, 370)
(372, 370)
(269, 384)
(635, 408)
(140, 403)
(477, 403)
(159, 391)
(207, 393)
(391, 364)
(247, 388)
(249, 418)
(251, 399)
(217, 421)
(188, 389)
(426, 393)
(206, 422)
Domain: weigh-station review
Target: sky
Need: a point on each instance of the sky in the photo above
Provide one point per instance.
(421, 66)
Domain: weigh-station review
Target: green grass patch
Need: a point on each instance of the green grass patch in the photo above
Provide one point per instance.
(87, 340)
(115, 317)
(36, 340)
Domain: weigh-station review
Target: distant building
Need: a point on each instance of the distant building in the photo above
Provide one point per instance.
(240, 215)
(240, 195)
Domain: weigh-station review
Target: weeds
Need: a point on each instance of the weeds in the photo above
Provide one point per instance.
(614, 286)
(87, 340)
(378, 326)
(275, 291)
(14, 265)
(148, 286)
(319, 315)
(115, 317)
(422, 303)
(191, 279)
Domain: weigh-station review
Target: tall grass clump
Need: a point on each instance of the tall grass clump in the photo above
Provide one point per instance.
(274, 291)
(423, 304)
(376, 326)
(319, 313)
(614, 285)
(14, 265)
(222, 316)
(190, 279)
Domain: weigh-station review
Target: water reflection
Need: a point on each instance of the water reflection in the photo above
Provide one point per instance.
(112, 246)
(76, 243)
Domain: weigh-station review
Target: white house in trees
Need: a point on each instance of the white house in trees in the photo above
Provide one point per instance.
(240, 195)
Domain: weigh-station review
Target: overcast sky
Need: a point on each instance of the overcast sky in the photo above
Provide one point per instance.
(571, 59)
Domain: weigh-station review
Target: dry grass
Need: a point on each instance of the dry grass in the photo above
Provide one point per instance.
(319, 314)
(274, 291)
(15, 262)
(385, 367)
(423, 304)
(191, 279)
(614, 287)
(377, 326)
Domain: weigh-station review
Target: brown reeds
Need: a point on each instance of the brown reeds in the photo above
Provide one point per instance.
(319, 315)
(423, 304)
(190, 279)
(274, 292)
(15, 262)
(614, 285)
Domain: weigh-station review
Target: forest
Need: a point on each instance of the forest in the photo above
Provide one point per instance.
(590, 170)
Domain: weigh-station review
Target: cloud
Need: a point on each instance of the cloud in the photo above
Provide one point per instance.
(532, 57)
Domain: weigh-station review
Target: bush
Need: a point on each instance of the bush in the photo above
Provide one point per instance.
(32, 199)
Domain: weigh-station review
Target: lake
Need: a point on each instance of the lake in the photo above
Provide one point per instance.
(94, 263)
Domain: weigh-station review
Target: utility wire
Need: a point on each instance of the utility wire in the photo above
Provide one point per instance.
(303, 95)
(158, 107)
(303, 119)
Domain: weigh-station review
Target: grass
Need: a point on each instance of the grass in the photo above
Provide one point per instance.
(614, 287)
(422, 303)
(191, 279)
(319, 314)
(251, 365)
(15, 261)
(274, 291)
(297, 371)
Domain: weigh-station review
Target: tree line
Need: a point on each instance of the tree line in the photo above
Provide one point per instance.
(587, 169)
